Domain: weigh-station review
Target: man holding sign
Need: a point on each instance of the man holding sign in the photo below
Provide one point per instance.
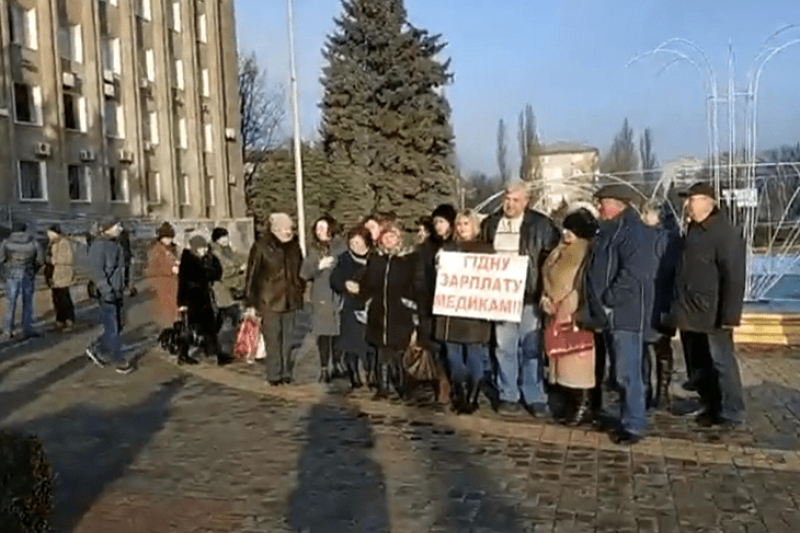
(520, 231)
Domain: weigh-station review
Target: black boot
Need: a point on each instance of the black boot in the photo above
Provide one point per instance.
(351, 361)
(185, 359)
(381, 389)
(324, 376)
(457, 400)
(569, 404)
(597, 406)
(471, 396)
(582, 411)
(664, 378)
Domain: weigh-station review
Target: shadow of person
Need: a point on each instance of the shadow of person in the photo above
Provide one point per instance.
(466, 496)
(90, 447)
(340, 487)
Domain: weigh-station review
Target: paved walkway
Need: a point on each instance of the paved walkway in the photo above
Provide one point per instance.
(217, 450)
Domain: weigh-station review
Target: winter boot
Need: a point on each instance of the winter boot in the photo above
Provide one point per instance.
(381, 387)
(351, 362)
(582, 408)
(457, 399)
(664, 378)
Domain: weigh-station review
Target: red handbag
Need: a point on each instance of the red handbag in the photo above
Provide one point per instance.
(566, 338)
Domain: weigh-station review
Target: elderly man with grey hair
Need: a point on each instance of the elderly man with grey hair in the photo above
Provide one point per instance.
(275, 289)
(519, 230)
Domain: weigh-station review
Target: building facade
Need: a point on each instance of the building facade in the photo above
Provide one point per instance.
(120, 107)
(567, 172)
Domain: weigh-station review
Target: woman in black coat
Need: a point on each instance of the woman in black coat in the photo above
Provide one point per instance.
(388, 290)
(197, 272)
(466, 340)
(346, 281)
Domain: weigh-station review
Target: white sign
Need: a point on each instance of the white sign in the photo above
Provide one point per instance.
(742, 197)
(486, 286)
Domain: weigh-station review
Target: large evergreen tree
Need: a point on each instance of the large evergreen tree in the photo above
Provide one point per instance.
(385, 119)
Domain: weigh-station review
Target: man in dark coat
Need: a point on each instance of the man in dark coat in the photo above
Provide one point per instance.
(20, 259)
(275, 289)
(107, 271)
(619, 298)
(710, 295)
(518, 230)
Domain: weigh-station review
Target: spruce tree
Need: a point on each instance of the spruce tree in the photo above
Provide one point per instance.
(385, 120)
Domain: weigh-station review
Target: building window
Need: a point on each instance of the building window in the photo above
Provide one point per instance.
(184, 189)
(112, 2)
(150, 65)
(206, 83)
(153, 123)
(28, 104)
(202, 28)
(209, 138)
(32, 180)
(75, 112)
(144, 9)
(79, 181)
(176, 16)
(179, 74)
(70, 43)
(212, 193)
(118, 184)
(153, 188)
(115, 119)
(24, 28)
(183, 142)
(112, 56)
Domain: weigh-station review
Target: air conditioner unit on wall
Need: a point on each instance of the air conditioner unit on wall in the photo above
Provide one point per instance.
(87, 156)
(230, 134)
(109, 90)
(68, 79)
(108, 76)
(125, 156)
(147, 146)
(43, 149)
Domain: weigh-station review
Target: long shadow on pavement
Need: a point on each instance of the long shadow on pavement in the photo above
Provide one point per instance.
(467, 497)
(90, 447)
(340, 488)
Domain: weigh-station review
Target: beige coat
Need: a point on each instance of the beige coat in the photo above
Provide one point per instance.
(62, 261)
(561, 280)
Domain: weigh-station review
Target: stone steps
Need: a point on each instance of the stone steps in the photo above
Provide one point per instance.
(774, 328)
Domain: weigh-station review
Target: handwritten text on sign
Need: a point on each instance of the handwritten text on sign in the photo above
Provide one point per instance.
(484, 286)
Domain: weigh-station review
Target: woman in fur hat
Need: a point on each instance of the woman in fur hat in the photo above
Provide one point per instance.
(162, 277)
(562, 274)
(391, 304)
(197, 273)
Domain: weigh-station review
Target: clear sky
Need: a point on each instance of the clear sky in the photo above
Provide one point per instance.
(568, 59)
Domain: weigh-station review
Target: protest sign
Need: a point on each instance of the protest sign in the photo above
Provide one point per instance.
(484, 286)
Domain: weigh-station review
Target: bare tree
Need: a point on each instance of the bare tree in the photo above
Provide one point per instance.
(648, 158)
(502, 152)
(263, 108)
(622, 157)
(528, 144)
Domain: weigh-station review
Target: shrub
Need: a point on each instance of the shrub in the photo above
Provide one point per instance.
(26, 481)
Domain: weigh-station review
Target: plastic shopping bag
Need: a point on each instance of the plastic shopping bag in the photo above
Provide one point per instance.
(249, 341)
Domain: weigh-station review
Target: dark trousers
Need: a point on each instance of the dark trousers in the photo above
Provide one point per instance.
(717, 372)
(279, 331)
(600, 356)
(62, 304)
(655, 356)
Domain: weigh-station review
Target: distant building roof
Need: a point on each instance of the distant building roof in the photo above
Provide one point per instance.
(566, 147)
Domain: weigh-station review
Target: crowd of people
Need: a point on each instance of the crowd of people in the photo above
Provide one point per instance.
(605, 294)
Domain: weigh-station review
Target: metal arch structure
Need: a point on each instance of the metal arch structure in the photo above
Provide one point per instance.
(683, 50)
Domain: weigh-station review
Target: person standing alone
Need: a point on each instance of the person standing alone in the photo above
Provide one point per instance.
(21, 258)
(59, 274)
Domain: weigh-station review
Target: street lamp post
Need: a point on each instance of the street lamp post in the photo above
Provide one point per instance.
(298, 158)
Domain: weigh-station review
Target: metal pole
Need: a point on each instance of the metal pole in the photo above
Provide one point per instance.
(298, 160)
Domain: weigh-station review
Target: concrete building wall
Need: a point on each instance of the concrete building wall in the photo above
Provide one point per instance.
(121, 68)
(566, 176)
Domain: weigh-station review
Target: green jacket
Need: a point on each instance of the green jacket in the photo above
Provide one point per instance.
(232, 274)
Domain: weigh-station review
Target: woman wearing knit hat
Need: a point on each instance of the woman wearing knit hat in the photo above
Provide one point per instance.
(162, 277)
(572, 356)
(197, 272)
(444, 218)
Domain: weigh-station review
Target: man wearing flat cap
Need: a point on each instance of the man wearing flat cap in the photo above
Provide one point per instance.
(107, 271)
(710, 289)
(618, 298)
